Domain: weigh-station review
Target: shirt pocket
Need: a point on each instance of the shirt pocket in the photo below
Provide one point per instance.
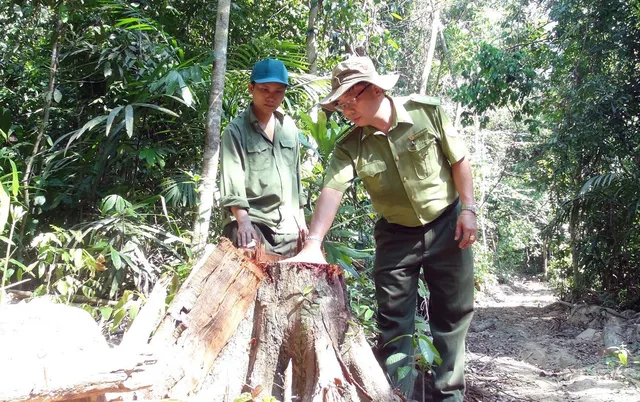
(371, 175)
(259, 156)
(288, 151)
(424, 154)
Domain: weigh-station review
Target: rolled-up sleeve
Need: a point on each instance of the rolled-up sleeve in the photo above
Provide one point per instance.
(302, 198)
(232, 171)
(451, 141)
(340, 173)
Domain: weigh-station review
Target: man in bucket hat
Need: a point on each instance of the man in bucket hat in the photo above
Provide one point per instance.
(413, 164)
(260, 168)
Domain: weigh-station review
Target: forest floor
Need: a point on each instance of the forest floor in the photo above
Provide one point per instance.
(522, 347)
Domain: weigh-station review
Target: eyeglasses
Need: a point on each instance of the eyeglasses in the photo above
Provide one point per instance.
(351, 102)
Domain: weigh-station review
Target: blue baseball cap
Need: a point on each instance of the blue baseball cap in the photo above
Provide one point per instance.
(270, 70)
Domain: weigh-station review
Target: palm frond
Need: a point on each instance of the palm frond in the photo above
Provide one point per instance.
(244, 56)
(180, 190)
(598, 182)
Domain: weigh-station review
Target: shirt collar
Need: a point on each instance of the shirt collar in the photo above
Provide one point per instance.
(279, 113)
(399, 115)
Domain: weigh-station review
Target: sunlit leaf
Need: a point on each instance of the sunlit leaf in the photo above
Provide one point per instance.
(185, 91)
(108, 203)
(112, 116)
(128, 116)
(39, 200)
(427, 350)
(5, 204)
(396, 358)
(403, 372)
(368, 314)
(125, 21)
(62, 286)
(88, 126)
(105, 312)
(15, 183)
(307, 290)
(158, 108)
(115, 258)
(134, 310)
(117, 318)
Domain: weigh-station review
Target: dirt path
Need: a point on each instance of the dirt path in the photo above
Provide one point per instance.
(523, 348)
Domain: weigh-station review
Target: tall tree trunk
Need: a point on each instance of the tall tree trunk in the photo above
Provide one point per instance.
(53, 68)
(432, 47)
(575, 254)
(447, 56)
(481, 157)
(312, 47)
(545, 256)
(212, 139)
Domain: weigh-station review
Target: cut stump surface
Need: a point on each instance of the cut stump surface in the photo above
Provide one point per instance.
(305, 345)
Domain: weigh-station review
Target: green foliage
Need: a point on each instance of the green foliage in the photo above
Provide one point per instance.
(568, 72)
(323, 133)
(363, 303)
(595, 146)
(618, 356)
(425, 357)
(247, 397)
(103, 257)
(550, 94)
(125, 311)
(17, 213)
(498, 78)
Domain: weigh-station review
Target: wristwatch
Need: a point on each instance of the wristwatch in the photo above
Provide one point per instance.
(470, 207)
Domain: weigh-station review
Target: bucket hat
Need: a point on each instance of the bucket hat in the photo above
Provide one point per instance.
(352, 71)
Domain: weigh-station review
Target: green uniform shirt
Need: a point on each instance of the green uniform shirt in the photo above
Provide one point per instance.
(407, 172)
(261, 176)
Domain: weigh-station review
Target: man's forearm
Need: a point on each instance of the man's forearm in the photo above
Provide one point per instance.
(241, 214)
(325, 212)
(463, 179)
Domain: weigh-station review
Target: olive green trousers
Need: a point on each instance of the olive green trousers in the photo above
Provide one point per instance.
(401, 253)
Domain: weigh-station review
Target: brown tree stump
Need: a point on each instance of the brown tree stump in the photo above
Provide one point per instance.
(302, 319)
(299, 343)
(287, 328)
(202, 317)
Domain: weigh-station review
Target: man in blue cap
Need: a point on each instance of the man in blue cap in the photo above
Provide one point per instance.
(260, 183)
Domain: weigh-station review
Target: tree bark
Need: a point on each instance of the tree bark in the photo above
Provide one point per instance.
(575, 255)
(302, 319)
(299, 343)
(67, 357)
(312, 47)
(202, 318)
(447, 56)
(149, 317)
(53, 69)
(216, 346)
(129, 375)
(212, 140)
(432, 47)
